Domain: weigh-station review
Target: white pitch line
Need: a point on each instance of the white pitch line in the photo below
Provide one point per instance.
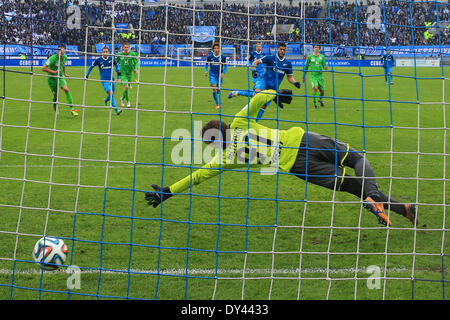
(73, 166)
(37, 271)
(112, 166)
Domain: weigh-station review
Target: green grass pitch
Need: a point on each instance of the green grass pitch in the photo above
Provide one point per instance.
(83, 179)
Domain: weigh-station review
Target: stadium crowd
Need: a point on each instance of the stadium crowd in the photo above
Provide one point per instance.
(402, 22)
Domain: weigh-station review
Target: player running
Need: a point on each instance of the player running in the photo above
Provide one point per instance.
(128, 65)
(105, 65)
(388, 63)
(316, 63)
(309, 156)
(257, 72)
(55, 66)
(217, 64)
(277, 66)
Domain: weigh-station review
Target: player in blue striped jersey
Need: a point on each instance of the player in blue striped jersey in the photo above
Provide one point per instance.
(105, 64)
(257, 72)
(217, 64)
(388, 63)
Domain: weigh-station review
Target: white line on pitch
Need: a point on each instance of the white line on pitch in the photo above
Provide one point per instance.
(207, 271)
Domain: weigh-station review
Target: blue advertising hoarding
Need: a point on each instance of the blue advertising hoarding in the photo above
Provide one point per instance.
(292, 49)
(405, 51)
(38, 50)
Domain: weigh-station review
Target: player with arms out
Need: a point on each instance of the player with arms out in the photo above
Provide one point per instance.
(128, 65)
(315, 62)
(105, 65)
(277, 66)
(388, 63)
(309, 156)
(55, 66)
(257, 72)
(217, 64)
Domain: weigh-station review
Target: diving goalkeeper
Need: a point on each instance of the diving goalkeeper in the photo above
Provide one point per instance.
(310, 156)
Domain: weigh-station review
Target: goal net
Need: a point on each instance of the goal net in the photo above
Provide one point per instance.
(245, 233)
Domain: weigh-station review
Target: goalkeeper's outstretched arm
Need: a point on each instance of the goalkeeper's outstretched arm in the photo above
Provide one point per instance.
(213, 168)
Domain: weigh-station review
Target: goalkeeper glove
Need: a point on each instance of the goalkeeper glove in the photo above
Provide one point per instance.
(154, 198)
(297, 84)
(255, 74)
(284, 96)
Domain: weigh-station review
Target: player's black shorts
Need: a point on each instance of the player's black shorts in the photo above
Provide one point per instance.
(321, 160)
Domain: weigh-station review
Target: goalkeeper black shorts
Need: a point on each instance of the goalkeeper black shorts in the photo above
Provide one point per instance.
(321, 160)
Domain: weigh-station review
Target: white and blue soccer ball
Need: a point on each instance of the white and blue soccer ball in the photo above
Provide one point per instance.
(51, 252)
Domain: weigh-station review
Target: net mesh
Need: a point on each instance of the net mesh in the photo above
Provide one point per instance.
(242, 235)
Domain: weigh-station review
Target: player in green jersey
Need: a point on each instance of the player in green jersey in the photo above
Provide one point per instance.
(307, 155)
(128, 65)
(316, 63)
(55, 66)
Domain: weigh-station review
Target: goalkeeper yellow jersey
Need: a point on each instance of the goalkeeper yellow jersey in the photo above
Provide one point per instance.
(251, 145)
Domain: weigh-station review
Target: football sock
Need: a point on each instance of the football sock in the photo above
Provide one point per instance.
(365, 176)
(113, 102)
(315, 93)
(260, 114)
(124, 95)
(354, 185)
(216, 97)
(393, 204)
(245, 93)
(69, 98)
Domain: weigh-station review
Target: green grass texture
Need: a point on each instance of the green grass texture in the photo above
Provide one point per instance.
(241, 235)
